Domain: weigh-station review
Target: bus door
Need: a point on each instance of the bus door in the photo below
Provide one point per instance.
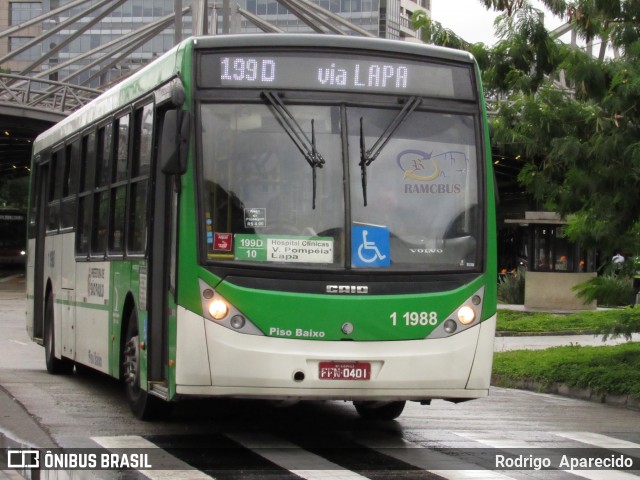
(161, 265)
(69, 160)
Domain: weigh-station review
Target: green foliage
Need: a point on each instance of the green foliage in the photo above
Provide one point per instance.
(580, 144)
(627, 324)
(435, 33)
(608, 323)
(592, 229)
(542, 322)
(606, 369)
(511, 288)
(607, 290)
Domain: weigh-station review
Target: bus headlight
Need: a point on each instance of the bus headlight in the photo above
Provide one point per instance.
(218, 309)
(466, 315)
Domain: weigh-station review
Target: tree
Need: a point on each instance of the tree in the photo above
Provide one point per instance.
(582, 142)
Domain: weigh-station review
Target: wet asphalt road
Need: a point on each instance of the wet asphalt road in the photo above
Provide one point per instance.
(238, 439)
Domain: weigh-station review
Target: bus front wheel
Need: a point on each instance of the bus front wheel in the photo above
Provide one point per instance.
(55, 366)
(379, 410)
(143, 405)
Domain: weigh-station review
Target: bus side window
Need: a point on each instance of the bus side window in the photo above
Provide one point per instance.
(100, 223)
(119, 186)
(56, 177)
(87, 174)
(100, 220)
(143, 136)
(118, 204)
(70, 184)
(138, 218)
(103, 155)
(121, 162)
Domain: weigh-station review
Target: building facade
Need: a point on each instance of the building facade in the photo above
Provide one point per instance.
(13, 13)
(382, 18)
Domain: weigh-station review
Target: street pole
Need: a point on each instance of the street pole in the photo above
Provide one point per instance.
(200, 18)
(177, 31)
(226, 16)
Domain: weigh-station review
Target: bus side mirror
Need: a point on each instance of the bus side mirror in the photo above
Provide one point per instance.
(174, 145)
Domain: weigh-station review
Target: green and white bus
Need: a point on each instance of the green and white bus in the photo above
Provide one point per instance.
(282, 217)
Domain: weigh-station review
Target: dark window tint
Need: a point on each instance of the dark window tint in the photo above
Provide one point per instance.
(116, 236)
(100, 221)
(122, 149)
(103, 170)
(138, 218)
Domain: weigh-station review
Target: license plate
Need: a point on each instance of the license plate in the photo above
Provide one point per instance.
(345, 371)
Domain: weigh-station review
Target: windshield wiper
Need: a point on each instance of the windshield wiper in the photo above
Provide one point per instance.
(306, 146)
(368, 156)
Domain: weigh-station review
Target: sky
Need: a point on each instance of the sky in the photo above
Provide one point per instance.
(470, 20)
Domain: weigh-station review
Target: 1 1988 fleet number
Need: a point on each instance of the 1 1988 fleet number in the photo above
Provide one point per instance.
(412, 319)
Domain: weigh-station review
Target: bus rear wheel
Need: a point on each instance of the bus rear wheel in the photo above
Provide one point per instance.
(143, 405)
(55, 366)
(379, 410)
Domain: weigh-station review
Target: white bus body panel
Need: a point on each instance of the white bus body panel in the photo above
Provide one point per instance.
(80, 291)
(227, 363)
(68, 261)
(92, 297)
(66, 296)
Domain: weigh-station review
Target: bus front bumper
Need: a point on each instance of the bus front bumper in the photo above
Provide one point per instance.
(215, 361)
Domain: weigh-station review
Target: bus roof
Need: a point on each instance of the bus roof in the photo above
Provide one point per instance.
(169, 65)
(133, 87)
(299, 40)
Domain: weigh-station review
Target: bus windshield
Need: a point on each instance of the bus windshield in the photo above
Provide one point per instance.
(417, 210)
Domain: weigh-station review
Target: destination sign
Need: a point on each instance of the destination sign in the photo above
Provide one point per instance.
(352, 73)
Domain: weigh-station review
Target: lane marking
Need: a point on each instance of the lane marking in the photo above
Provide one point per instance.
(448, 467)
(179, 470)
(10, 277)
(599, 440)
(292, 457)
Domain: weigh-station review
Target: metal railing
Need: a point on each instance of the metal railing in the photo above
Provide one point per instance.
(46, 95)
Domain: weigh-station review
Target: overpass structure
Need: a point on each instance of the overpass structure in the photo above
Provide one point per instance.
(28, 107)
(46, 89)
(35, 98)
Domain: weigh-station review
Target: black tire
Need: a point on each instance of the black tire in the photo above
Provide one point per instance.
(379, 410)
(55, 366)
(143, 405)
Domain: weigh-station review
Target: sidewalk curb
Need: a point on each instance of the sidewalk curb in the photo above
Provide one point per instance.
(630, 402)
(561, 333)
(20, 428)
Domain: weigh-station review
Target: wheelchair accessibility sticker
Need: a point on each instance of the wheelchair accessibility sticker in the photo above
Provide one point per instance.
(370, 246)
